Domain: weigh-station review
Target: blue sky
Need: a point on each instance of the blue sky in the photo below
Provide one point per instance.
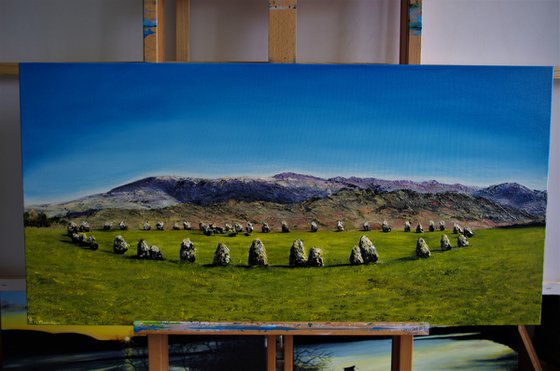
(87, 128)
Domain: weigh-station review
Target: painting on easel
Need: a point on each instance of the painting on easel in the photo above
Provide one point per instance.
(255, 192)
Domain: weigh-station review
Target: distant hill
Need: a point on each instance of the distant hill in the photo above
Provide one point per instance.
(360, 198)
(518, 196)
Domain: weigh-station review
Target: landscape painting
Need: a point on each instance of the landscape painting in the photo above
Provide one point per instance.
(274, 193)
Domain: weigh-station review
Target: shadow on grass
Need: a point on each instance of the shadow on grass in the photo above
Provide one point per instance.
(266, 267)
(285, 266)
(406, 258)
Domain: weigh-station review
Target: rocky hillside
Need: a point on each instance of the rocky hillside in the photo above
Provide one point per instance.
(360, 197)
(517, 196)
(353, 206)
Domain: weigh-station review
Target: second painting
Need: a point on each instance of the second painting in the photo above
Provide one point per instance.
(252, 192)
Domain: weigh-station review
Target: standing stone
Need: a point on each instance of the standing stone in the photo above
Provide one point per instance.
(457, 229)
(314, 226)
(203, 227)
(176, 226)
(250, 228)
(285, 227)
(407, 226)
(82, 239)
(365, 226)
(187, 253)
(159, 226)
(146, 226)
(92, 243)
(297, 254)
(142, 249)
(84, 226)
(356, 256)
(315, 257)
(462, 241)
(238, 228)
(468, 232)
(444, 243)
(422, 249)
(442, 226)
(186, 226)
(75, 238)
(339, 226)
(265, 228)
(155, 253)
(228, 228)
(72, 228)
(119, 245)
(419, 228)
(107, 226)
(123, 226)
(221, 256)
(432, 226)
(369, 253)
(385, 227)
(257, 253)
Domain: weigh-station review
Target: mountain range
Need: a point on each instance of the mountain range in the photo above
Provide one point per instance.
(320, 198)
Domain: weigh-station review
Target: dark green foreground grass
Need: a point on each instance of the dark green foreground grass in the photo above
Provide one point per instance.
(496, 280)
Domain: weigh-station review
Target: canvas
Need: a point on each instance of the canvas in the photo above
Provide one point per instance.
(258, 192)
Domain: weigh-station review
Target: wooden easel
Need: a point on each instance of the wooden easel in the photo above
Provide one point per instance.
(284, 332)
(281, 31)
(281, 49)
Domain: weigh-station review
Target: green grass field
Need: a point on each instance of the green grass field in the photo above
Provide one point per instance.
(496, 280)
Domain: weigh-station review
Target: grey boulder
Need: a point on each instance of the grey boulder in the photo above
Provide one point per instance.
(257, 253)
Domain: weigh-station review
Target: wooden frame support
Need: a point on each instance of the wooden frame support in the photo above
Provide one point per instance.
(401, 352)
(282, 31)
(270, 352)
(288, 352)
(9, 69)
(158, 352)
(154, 31)
(12, 69)
(411, 32)
(401, 333)
(182, 22)
(528, 358)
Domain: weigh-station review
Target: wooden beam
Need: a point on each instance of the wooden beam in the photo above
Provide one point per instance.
(154, 31)
(9, 69)
(182, 8)
(282, 31)
(271, 352)
(401, 353)
(288, 352)
(528, 358)
(158, 352)
(282, 328)
(411, 32)
(12, 69)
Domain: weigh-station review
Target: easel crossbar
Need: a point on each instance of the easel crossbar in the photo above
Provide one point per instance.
(281, 328)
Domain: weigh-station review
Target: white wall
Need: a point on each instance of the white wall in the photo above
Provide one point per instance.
(511, 32)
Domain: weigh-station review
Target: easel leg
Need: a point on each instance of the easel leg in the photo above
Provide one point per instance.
(401, 353)
(528, 358)
(271, 352)
(158, 352)
(288, 352)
